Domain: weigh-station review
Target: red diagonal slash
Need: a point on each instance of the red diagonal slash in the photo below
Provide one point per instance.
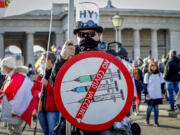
(92, 90)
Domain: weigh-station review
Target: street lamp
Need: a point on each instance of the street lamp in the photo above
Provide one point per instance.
(117, 22)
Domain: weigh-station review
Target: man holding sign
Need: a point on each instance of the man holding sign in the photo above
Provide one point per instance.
(90, 80)
(88, 35)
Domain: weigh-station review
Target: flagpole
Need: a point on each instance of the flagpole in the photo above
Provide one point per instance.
(70, 37)
(70, 19)
(47, 52)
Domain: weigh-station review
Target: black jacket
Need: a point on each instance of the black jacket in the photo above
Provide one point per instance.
(172, 70)
(57, 65)
(2, 79)
(139, 83)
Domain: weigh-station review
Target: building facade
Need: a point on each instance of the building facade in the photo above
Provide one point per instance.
(143, 32)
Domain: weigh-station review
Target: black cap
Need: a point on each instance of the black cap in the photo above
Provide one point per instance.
(90, 25)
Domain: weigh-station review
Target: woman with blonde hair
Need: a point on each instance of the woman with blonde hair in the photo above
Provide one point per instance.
(154, 90)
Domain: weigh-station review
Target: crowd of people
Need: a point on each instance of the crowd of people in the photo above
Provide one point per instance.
(157, 80)
(150, 77)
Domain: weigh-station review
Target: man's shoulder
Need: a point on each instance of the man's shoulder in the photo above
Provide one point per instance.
(18, 76)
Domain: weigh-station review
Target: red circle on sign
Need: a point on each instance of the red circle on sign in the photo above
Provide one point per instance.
(117, 63)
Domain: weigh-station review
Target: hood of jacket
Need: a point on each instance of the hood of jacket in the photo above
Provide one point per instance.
(175, 59)
(21, 70)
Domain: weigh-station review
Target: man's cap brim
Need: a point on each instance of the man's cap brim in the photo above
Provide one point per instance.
(97, 28)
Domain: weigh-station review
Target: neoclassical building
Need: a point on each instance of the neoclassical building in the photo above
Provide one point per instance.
(143, 31)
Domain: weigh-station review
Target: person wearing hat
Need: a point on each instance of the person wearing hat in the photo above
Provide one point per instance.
(48, 113)
(9, 69)
(88, 33)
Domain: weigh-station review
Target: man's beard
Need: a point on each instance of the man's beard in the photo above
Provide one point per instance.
(88, 44)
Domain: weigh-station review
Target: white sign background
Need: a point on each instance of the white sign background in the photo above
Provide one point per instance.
(108, 104)
(97, 112)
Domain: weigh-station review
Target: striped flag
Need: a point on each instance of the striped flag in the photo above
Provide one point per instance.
(18, 7)
(3, 7)
(20, 95)
(4, 3)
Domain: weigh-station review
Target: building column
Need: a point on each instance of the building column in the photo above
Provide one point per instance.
(29, 59)
(118, 36)
(136, 44)
(167, 41)
(174, 40)
(1, 45)
(59, 39)
(154, 44)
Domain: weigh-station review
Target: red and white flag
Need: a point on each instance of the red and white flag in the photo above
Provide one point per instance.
(20, 95)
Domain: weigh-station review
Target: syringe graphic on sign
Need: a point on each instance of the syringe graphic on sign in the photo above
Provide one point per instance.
(109, 96)
(102, 87)
(104, 97)
(90, 78)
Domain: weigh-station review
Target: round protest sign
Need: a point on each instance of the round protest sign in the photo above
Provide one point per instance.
(93, 90)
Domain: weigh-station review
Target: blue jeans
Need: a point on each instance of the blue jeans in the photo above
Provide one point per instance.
(156, 112)
(48, 121)
(172, 87)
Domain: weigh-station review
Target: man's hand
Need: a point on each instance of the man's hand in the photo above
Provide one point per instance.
(40, 95)
(44, 82)
(67, 50)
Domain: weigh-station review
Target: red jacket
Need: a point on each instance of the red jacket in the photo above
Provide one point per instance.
(50, 104)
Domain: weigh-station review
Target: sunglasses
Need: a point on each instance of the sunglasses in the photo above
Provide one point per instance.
(153, 65)
(86, 34)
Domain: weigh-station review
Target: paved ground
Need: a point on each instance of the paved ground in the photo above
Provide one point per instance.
(27, 131)
(169, 123)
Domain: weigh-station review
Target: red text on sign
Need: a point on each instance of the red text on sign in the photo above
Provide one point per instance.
(91, 92)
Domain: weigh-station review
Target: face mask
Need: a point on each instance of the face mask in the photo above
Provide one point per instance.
(79, 40)
(42, 68)
(87, 44)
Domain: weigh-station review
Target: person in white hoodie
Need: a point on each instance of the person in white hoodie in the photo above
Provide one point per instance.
(154, 91)
(8, 116)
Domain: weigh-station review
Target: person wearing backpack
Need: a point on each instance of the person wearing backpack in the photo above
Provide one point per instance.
(154, 90)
